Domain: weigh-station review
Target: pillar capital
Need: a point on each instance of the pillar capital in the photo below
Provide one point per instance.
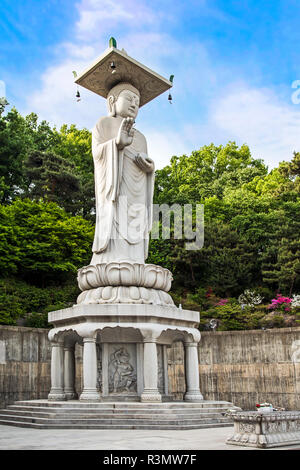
(150, 334)
(57, 344)
(89, 339)
(189, 344)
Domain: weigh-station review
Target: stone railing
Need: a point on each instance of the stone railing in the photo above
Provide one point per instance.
(263, 430)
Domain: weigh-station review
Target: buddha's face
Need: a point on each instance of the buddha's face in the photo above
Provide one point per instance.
(127, 104)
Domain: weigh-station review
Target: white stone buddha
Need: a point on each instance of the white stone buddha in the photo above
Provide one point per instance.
(124, 181)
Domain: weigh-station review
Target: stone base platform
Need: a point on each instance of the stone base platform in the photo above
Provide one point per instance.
(265, 430)
(73, 414)
(124, 351)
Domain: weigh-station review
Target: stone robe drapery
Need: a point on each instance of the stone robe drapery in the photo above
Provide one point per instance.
(124, 196)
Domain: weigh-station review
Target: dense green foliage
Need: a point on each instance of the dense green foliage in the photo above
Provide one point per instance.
(39, 161)
(252, 219)
(251, 236)
(52, 178)
(19, 299)
(40, 242)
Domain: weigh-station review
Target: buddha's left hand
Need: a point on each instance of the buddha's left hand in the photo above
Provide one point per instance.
(144, 163)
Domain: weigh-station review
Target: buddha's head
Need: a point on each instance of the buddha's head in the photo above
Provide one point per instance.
(123, 100)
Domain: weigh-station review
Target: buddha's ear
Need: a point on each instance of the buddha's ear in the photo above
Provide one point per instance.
(111, 106)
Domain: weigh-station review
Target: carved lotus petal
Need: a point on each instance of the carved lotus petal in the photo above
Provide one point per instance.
(106, 293)
(113, 274)
(145, 293)
(124, 274)
(134, 292)
(151, 278)
(127, 274)
(125, 294)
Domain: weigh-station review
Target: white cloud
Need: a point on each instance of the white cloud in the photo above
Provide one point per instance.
(56, 101)
(99, 16)
(83, 52)
(94, 12)
(163, 145)
(260, 118)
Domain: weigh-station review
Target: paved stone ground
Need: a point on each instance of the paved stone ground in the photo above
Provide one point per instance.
(16, 438)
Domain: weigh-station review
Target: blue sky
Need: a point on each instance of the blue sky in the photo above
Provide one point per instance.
(234, 64)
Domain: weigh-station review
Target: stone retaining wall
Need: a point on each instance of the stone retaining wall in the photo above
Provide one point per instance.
(25, 355)
(244, 367)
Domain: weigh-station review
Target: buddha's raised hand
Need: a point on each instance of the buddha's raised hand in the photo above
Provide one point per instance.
(125, 133)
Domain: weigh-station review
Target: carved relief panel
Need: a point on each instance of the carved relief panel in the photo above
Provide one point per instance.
(122, 369)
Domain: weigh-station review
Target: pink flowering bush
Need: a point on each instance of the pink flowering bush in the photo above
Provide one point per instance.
(222, 302)
(281, 303)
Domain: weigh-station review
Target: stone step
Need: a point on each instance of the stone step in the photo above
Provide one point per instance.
(115, 426)
(123, 405)
(111, 410)
(113, 417)
(114, 414)
(84, 420)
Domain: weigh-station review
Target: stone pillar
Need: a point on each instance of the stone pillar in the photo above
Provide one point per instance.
(192, 372)
(69, 372)
(166, 375)
(57, 371)
(105, 362)
(140, 368)
(150, 393)
(90, 390)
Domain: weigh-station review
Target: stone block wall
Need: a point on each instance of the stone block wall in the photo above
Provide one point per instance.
(244, 367)
(25, 355)
(25, 364)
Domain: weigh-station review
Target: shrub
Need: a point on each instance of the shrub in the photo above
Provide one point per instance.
(281, 303)
(37, 320)
(40, 242)
(19, 299)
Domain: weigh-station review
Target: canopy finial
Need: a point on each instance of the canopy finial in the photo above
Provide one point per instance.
(112, 42)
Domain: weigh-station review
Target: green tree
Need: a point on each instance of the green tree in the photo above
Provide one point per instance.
(41, 243)
(281, 260)
(206, 173)
(23, 136)
(3, 104)
(15, 140)
(18, 137)
(18, 299)
(53, 179)
(75, 145)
